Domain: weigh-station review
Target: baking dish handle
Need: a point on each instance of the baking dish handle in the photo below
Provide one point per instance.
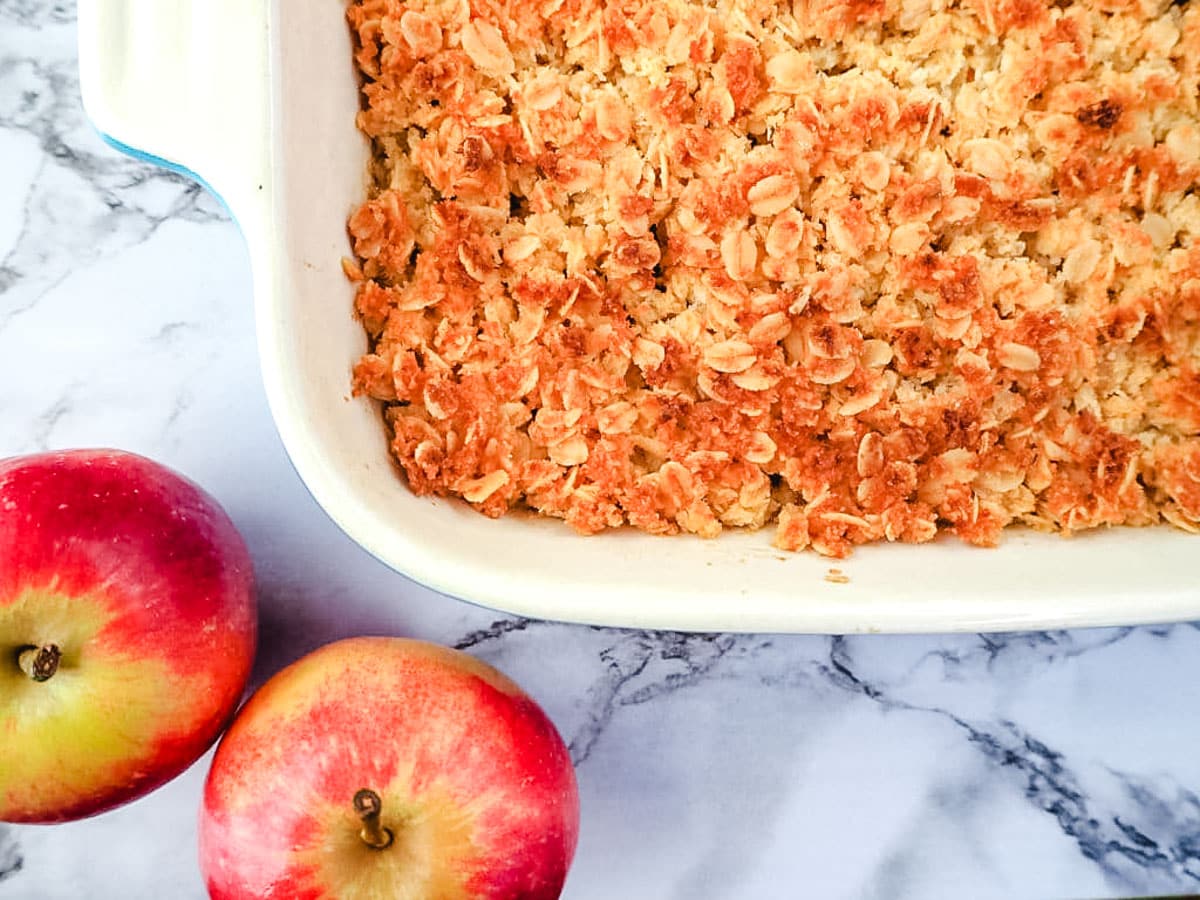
(184, 83)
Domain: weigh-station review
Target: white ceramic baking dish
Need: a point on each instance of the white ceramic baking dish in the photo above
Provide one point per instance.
(258, 99)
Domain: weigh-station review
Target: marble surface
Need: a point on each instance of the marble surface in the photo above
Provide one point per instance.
(1055, 764)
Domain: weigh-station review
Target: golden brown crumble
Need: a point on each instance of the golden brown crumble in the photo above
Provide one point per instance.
(866, 269)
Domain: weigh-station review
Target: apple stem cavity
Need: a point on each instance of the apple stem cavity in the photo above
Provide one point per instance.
(40, 663)
(368, 806)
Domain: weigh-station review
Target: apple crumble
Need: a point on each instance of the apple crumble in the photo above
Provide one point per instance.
(862, 269)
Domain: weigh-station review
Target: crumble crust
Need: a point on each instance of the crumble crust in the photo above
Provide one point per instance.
(865, 269)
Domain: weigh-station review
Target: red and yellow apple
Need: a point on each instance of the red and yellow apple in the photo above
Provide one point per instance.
(385, 767)
(127, 630)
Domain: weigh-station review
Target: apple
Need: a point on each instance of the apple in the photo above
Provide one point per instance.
(127, 630)
(388, 767)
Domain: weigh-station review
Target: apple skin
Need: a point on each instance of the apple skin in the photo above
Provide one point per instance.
(477, 787)
(144, 584)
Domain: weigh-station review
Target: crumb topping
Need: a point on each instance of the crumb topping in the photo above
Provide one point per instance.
(864, 269)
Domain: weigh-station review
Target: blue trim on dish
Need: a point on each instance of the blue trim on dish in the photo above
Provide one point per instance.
(143, 156)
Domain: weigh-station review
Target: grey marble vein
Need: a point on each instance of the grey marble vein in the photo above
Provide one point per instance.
(84, 202)
(11, 860)
(1130, 858)
(493, 632)
(43, 426)
(33, 13)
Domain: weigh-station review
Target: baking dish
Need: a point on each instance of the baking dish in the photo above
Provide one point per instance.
(258, 100)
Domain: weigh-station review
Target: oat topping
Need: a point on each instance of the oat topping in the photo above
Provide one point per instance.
(864, 269)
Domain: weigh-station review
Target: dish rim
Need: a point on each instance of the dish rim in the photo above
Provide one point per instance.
(257, 190)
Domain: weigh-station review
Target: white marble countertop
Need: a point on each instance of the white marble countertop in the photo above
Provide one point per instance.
(710, 766)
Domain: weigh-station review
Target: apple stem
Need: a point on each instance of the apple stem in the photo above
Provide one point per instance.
(368, 806)
(40, 663)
